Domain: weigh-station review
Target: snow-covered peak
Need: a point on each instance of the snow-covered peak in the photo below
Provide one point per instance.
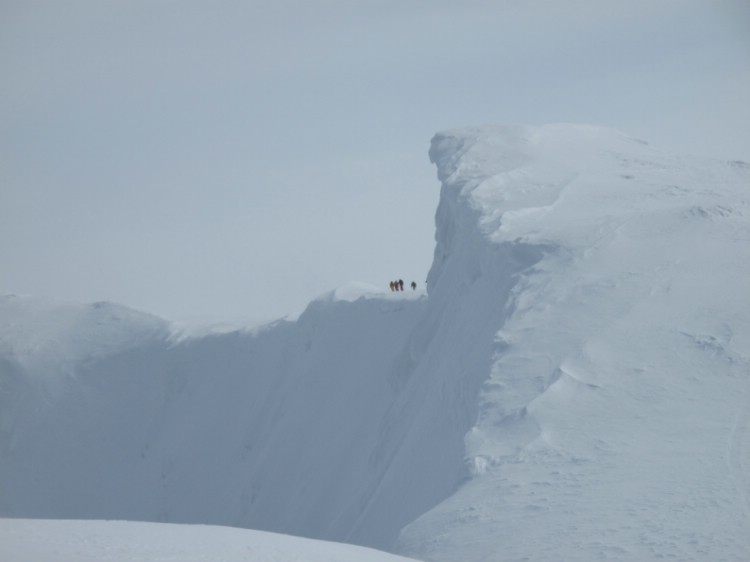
(478, 153)
(529, 170)
(614, 421)
(574, 387)
(46, 335)
(570, 185)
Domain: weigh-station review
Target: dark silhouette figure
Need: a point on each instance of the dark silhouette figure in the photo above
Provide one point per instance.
(401, 284)
(413, 285)
(393, 286)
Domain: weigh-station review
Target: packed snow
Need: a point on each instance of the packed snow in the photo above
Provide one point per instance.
(614, 420)
(39, 540)
(573, 385)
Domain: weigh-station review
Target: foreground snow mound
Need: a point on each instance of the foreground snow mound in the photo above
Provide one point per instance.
(34, 540)
(615, 420)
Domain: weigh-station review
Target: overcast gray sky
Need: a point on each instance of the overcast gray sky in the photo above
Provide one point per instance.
(232, 160)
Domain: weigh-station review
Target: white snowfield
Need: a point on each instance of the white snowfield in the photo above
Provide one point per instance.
(43, 540)
(575, 384)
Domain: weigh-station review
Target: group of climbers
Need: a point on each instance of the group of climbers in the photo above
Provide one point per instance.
(399, 285)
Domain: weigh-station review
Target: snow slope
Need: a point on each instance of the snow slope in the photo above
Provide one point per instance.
(614, 422)
(576, 386)
(284, 428)
(35, 540)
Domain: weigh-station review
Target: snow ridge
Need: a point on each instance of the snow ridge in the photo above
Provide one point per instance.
(614, 419)
(574, 387)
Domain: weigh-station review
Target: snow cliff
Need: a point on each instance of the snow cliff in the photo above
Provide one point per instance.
(615, 418)
(576, 385)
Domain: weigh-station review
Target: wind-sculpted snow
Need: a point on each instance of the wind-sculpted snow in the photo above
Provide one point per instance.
(293, 427)
(614, 420)
(576, 386)
(339, 425)
(39, 540)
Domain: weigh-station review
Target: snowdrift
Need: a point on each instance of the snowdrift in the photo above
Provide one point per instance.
(35, 540)
(613, 422)
(575, 387)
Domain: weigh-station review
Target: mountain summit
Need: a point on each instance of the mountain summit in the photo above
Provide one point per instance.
(614, 420)
(575, 384)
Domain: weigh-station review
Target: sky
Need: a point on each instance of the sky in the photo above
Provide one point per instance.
(229, 161)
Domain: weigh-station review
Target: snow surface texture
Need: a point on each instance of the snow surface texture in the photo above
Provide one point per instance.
(576, 386)
(39, 540)
(614, 423)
